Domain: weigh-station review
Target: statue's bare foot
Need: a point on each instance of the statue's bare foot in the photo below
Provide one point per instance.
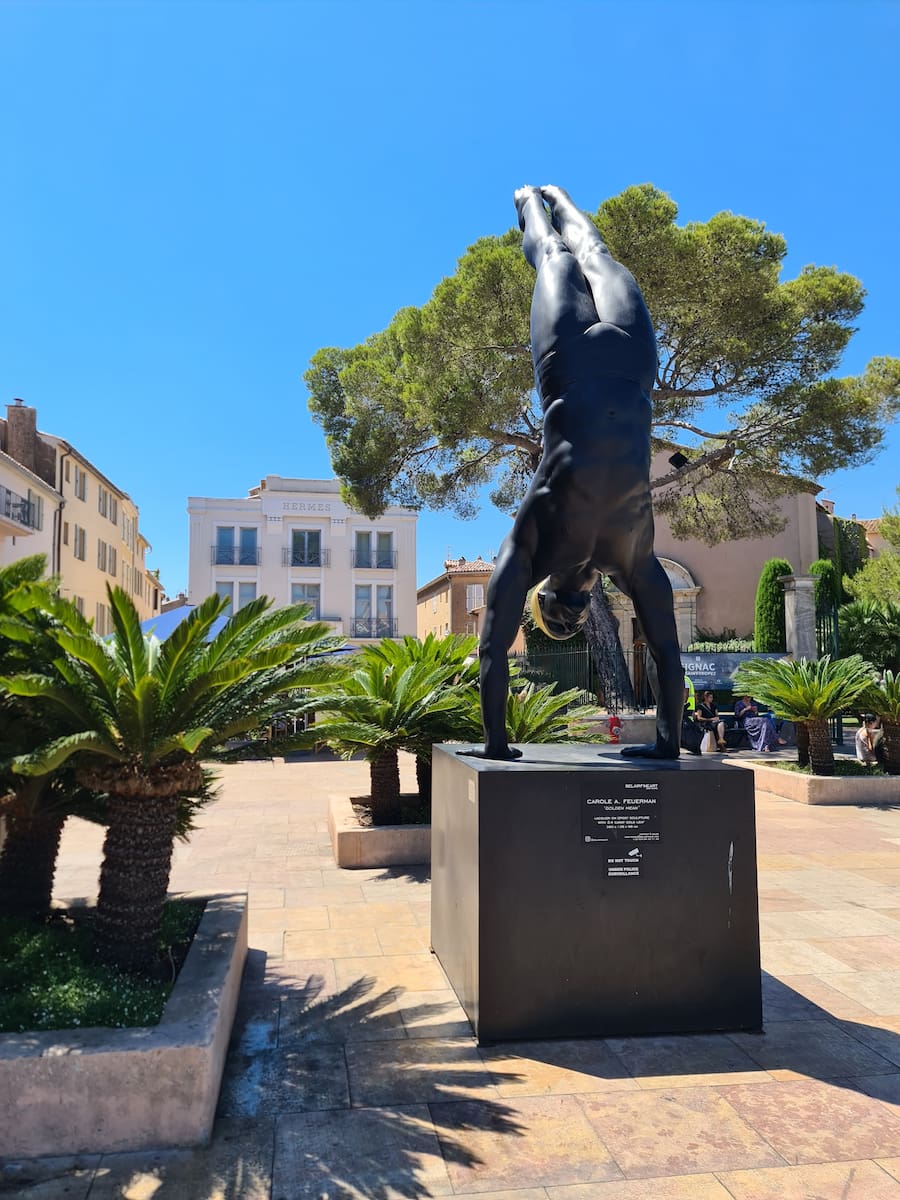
(556, 197)
(521, 196)
(499, 753)
(651, 750)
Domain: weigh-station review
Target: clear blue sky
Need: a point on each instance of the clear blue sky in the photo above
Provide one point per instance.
(195, 197)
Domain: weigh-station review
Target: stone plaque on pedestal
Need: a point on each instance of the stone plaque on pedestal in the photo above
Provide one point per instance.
(578, 893)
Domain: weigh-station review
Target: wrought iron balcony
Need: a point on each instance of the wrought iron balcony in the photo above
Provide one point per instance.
(305, 558)
(373, 627)
(234, 556)
(374, 560)
(17, 508)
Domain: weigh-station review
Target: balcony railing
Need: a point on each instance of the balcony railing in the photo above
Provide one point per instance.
(18, 509)
(374, 560)
(305, 558)
(373, 627)
(234, 556)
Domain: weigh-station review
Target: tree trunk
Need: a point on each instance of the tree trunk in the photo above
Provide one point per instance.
(28, 861)
(423, 778)
(602, 635)
(802, 743)
(821, 754)
(384, 771)
(891, 746)
(134, 879)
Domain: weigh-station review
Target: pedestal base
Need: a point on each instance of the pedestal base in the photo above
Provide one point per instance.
(577, 893)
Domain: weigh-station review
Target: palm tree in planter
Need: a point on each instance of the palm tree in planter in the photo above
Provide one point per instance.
(807, 693)
(33, 809)
(883, 699)
(386, 702)
(455, 653)
(143, 712)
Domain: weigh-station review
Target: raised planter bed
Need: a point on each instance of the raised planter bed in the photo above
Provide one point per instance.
(74, 1091)
(354, 845)
(822, 789)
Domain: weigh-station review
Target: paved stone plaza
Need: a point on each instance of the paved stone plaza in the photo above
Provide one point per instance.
(353, 1072)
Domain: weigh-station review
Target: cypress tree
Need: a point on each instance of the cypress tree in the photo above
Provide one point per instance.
(827, 593)
(768, 623)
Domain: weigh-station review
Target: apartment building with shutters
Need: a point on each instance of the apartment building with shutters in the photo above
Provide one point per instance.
(295, 540)
(85, 525)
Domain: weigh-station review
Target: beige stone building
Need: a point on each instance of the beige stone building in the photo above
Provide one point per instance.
(452, 602)
(85, 524)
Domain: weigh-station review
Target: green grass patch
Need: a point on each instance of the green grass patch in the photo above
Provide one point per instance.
(842, 766)
(50, 977)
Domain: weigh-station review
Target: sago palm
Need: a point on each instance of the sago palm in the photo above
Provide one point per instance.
(807, 693)
(883, 699)
(871, 629)
(454, 653)
(141, 713)
(384, 704)
(541, 714)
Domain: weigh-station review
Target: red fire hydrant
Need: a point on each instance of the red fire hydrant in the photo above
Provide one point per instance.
(615, 724)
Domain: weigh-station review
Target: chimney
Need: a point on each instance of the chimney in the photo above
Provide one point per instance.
(21, 433)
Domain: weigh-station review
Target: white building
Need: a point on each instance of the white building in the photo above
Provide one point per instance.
(296, 540)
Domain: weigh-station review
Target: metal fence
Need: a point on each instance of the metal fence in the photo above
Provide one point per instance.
(574, 667)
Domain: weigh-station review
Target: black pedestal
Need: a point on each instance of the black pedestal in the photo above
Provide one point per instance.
(578, 893)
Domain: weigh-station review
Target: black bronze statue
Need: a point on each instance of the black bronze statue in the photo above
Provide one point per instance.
(588, 507)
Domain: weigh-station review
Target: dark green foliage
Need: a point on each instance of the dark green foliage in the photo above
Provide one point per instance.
(851, 537)
(890, 526)
(871, 629)
(768, 618)
(879, 579)
(827, 591)
(50, 977)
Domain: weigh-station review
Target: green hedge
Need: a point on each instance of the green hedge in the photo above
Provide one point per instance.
(768, 622)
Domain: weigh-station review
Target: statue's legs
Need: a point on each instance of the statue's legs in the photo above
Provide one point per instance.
(651, 592)
(562, 306)
(614, 290)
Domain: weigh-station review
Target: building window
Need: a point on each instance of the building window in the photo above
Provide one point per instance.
(101, 621)
(102, 500)
(384, 610)
(308, 593)
(80, 547)
(434, 603)
(381, 623)
(101, 554)
(65, 533)
(306, 548)
(78, 600)
(382, 557)
(223, 554)
(68, 477)
(474, 596)
(248, 554)
(246, 593)
(112, 561)
(80, 483)
(114, 510)
(225, 591)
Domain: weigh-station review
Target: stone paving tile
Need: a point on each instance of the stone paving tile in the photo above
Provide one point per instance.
(402, 939)
(418, 1070)
(436, 1014)
(818, 1048)
(680, 1132)
(309, 977)
(811, 1121)
(840, 1181)
(829, 1000)
(885, 1088)
(237, 1164)
(685, 1061)
(357, 1155)
(555, 1068)
(48, 1178)
(796, 957)
(783, 1003)
(371, 916)
(864, 953)
(847, 923)
(675, 1187)
(262, 897)
(301, 1077)
(881, 1034)
(271, 943)
(877, 990)
(265, 920)
(891, 1165)
(331, 943)
(410, 972)
(357, 1013)
(301, 895)
(541, 1141)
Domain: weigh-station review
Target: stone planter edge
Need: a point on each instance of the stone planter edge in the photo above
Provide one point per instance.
(74, 1091)
(820, 789)
(376, 846)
